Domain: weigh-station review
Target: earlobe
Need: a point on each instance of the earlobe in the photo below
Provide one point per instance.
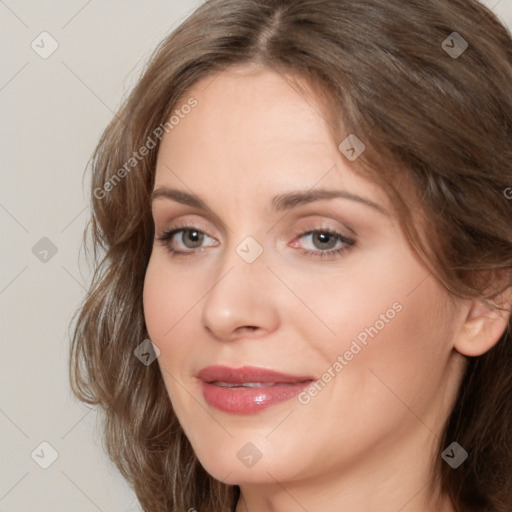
(483, 326)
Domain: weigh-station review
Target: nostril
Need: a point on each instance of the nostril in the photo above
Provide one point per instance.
(249, 327)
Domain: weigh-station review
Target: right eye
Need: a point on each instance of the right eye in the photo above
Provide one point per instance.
(191, 240)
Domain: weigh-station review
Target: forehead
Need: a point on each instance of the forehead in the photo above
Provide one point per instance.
(244, 111)
(252, 129)
(250, 105)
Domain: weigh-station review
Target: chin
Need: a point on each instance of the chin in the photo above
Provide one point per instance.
(238, 466)
(239, 476)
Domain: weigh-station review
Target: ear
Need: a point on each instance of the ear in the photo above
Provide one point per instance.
(483, 325)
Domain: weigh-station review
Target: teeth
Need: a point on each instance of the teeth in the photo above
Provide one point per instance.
(244, 384)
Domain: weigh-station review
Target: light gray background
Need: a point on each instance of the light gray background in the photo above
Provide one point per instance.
(52, 113)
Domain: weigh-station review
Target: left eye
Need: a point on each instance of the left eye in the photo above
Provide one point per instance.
(323, 240)
(324, 243)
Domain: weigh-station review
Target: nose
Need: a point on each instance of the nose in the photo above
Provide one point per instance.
(243, 300)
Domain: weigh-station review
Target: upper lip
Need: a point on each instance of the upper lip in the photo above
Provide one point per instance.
(247, 374)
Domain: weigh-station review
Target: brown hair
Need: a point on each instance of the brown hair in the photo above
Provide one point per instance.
(437, 129)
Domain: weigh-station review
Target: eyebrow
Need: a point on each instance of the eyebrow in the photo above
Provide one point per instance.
(280, 203)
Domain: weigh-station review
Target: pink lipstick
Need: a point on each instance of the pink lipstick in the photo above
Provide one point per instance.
(248, 390)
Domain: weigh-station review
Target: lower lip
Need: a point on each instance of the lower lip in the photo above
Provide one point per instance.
(241, 400)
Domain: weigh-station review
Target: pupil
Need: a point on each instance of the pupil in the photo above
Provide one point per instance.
(194, 237)
(324, 238)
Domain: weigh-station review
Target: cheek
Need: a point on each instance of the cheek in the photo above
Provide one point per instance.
(390, 333)
(395, 367)
(171, 300)
(361, 301)
(154, 301)
(166, 303)
(168, 297)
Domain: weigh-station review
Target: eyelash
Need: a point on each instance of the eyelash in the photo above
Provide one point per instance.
(167, 236)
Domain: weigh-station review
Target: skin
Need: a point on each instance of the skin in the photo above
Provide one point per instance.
(366, 440)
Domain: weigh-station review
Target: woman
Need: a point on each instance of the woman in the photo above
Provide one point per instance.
(303, 297)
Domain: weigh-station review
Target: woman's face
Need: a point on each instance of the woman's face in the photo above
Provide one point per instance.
(289, 262)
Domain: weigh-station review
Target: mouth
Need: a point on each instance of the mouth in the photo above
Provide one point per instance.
(249, 389)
